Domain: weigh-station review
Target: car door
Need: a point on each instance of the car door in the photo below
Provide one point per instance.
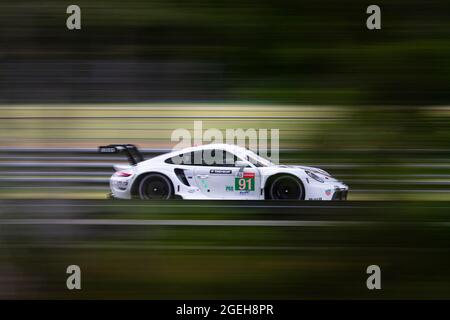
(223, 180)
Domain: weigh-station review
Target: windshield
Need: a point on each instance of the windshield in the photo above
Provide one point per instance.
(258, 160)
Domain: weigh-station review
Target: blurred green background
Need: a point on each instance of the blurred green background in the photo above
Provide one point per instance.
(301, 52)
(371, 107)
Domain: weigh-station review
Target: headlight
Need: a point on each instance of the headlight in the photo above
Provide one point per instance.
(314, 176)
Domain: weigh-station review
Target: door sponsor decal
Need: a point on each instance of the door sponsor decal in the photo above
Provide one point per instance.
(220, 171)
(246, 182)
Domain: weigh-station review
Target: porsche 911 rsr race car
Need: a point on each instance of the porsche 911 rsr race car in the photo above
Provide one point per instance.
(217, 171)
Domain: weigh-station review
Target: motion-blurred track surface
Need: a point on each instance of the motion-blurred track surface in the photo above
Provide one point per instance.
(189, 249)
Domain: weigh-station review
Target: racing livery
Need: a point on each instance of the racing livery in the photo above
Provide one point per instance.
(217, 171)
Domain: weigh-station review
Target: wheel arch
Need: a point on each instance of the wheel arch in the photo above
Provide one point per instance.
(135, 186)
(272, 177)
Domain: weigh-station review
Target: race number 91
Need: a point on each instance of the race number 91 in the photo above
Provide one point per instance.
(244, 184)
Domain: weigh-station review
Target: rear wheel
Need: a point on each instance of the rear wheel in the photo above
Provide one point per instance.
(155, 186)
(286, 187)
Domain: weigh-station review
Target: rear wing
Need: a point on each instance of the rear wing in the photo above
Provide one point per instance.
(131, 151)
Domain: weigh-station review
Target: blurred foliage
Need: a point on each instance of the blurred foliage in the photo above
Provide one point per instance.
(315, 52)
(385, 128)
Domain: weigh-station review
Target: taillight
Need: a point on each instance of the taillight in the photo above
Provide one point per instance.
(124, 173)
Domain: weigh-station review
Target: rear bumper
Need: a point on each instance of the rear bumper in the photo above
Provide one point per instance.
(110, 196)
(121, 187)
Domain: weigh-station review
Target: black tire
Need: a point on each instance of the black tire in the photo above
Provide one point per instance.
(155, 186)
(286, 187)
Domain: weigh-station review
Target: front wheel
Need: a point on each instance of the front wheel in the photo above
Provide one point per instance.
(286, 187)
(155, 186)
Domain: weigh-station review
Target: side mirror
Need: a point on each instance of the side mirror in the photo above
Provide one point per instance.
(240, 163)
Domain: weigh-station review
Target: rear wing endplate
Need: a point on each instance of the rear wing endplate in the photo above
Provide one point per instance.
(131, 151)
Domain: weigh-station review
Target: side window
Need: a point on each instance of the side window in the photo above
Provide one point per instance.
(229, 159)
(218, 158)
(184, 159)
(197, 158)
(194, 158)
(169, 160)
(254, 161)
(214, 157)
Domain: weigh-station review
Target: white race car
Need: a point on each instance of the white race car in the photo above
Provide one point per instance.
(217, 171)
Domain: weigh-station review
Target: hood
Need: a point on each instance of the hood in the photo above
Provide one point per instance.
(313, 169)
(317, 171)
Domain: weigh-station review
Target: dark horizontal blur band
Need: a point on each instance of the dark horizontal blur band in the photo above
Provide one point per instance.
(223, 309)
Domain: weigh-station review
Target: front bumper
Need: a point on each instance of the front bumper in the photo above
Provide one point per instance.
(329, 190)
(340, 194)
